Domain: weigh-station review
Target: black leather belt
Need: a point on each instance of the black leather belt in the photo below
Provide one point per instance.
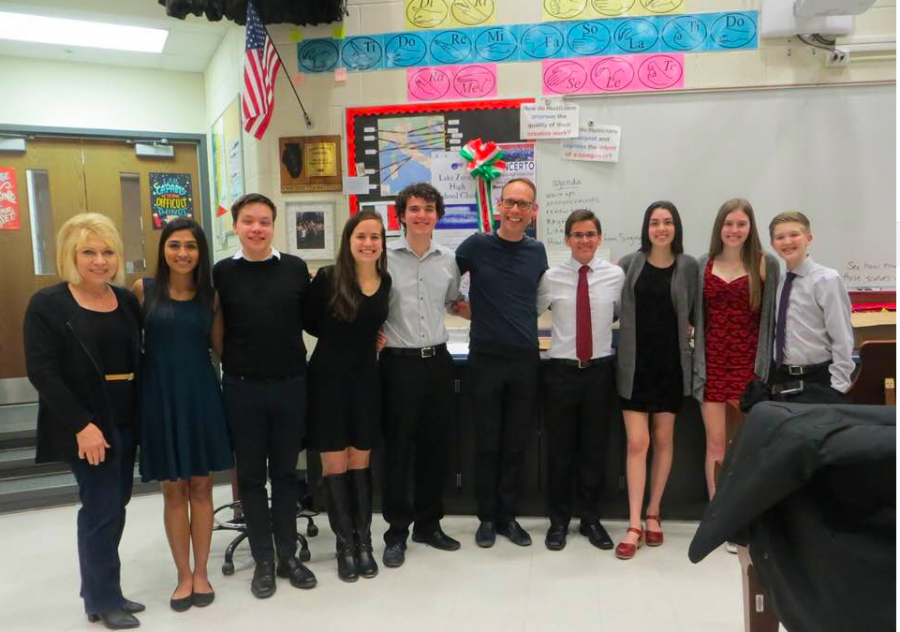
(423, 352)
(578, 364)
(798, 369)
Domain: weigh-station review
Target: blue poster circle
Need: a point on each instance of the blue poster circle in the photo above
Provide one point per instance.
(541, 41)
(733, 30)
(318, 55)
(405, 49)
(451, 47)
(684, 33)
(496, 44)
(588, 38)
(636, 35)
(361, 53)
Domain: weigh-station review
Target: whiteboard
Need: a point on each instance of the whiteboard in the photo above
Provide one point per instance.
(827, 151)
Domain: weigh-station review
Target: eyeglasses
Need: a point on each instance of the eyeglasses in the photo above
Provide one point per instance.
(580, 236)
(524, 205)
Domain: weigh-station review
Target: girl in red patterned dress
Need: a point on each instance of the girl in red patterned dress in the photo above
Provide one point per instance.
(733, 321)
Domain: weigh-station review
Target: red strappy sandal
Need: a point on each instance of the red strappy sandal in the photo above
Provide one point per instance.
(654, 538)
(626, 550)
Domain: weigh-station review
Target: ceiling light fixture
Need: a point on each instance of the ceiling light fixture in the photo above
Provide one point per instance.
(47, 30)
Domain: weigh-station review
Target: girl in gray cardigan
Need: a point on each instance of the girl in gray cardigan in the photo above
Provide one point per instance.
(654, 361)
(733, 321)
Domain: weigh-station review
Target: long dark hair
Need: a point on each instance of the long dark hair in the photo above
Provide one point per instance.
(677, 241)
(201, 274)
(346, 295)
(751, 250)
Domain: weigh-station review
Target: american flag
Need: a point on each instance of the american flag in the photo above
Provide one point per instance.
(260, 71)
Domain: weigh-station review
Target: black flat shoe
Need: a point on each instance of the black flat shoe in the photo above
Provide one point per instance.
(516, 534)
(132, 607)
(182, 604)
(201, 600)
(394, 555)
(556, 537)
(297, 573)
(263, 584)
(437, 539)
(118, 619)
(597, 535)
(486, 535)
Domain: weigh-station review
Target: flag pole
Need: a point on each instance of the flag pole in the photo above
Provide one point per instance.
(305, 114)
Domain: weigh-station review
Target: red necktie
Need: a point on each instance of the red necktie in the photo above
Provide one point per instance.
(584, 341)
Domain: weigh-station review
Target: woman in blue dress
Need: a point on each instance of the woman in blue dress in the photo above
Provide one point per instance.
(183, 433)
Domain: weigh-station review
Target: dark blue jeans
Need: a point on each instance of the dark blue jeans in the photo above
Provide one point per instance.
(104, 489)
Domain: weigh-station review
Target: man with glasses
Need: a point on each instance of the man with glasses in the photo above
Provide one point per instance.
(506, 268)
(417, 375)
(580, 379)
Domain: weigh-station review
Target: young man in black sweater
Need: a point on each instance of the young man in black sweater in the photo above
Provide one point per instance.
(259, 334)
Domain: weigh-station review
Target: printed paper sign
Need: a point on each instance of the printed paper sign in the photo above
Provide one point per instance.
(632, 73)
(450, 176)
(476, 81)
(171, 196)
(520, 163)
(9, 200)
(597, 143)
(594, 9)
(429, 14)
(548, 118)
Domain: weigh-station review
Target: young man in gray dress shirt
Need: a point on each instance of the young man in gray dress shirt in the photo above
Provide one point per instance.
(417, 375)
(813, 333)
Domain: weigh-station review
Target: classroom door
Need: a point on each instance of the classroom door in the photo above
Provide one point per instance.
(55, 179)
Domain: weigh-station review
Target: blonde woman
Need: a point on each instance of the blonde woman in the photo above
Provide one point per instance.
(82, 347)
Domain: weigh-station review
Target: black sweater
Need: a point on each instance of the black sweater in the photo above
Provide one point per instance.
(65, 366)
(262, 307)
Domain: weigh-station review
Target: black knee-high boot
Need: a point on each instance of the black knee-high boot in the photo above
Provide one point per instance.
(362, 521)
(340, 517)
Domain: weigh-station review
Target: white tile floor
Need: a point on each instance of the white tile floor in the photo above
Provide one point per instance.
(502, 589)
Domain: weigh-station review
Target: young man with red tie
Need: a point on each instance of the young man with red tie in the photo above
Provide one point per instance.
(583, 294)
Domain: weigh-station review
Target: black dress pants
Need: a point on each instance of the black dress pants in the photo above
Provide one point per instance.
(816, 387)
(504, 394)
(267, 423)
(579, 406)
(418, 400)
(104, 490)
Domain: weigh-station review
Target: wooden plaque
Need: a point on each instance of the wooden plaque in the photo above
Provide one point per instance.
(310, 163)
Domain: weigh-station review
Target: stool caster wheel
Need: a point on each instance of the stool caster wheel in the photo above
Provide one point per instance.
(228, 568)
(312, 530)
(304, 555)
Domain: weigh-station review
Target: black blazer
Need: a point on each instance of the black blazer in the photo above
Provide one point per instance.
(64, 366)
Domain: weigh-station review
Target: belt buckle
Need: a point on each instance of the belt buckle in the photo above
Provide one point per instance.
(795, 370)
(584, 365)
(427, 352)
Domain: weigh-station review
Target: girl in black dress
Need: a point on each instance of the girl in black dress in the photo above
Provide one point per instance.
(654, 362)
(346, 306)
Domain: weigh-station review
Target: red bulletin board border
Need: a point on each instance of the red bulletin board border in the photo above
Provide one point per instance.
(415, 108)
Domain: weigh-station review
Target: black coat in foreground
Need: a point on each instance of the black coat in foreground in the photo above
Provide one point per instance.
(811, 490)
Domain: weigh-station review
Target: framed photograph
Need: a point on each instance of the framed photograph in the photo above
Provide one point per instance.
(310, 229)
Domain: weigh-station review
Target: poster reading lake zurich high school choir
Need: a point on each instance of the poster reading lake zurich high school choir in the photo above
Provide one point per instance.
(9, 200)
(171, 196)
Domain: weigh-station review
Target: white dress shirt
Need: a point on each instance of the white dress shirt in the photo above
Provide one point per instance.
(422, 288)
(818, 327)
(558, 290)
(272, 255)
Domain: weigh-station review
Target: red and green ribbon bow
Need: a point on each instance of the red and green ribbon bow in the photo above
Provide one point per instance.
(485, 165)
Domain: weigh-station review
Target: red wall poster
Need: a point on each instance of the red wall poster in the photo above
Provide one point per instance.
(9, 200)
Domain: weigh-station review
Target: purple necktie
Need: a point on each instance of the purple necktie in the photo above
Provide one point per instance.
(780, 326)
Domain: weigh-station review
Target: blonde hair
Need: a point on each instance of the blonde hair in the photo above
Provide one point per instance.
(787, 218)
(74, 234)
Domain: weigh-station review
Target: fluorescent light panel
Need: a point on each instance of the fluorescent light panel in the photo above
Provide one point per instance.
(46, 30)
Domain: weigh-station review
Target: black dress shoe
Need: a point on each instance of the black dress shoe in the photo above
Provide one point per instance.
(556, 537)
(201, 600)
(132, 607)
(438, 539)
(394, 555)
(516, 534)
(297, 573)
(597, 535)
(118, 619)
(486, 535)
(263, 584)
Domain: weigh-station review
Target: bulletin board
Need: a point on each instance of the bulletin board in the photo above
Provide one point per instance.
(227, 174)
